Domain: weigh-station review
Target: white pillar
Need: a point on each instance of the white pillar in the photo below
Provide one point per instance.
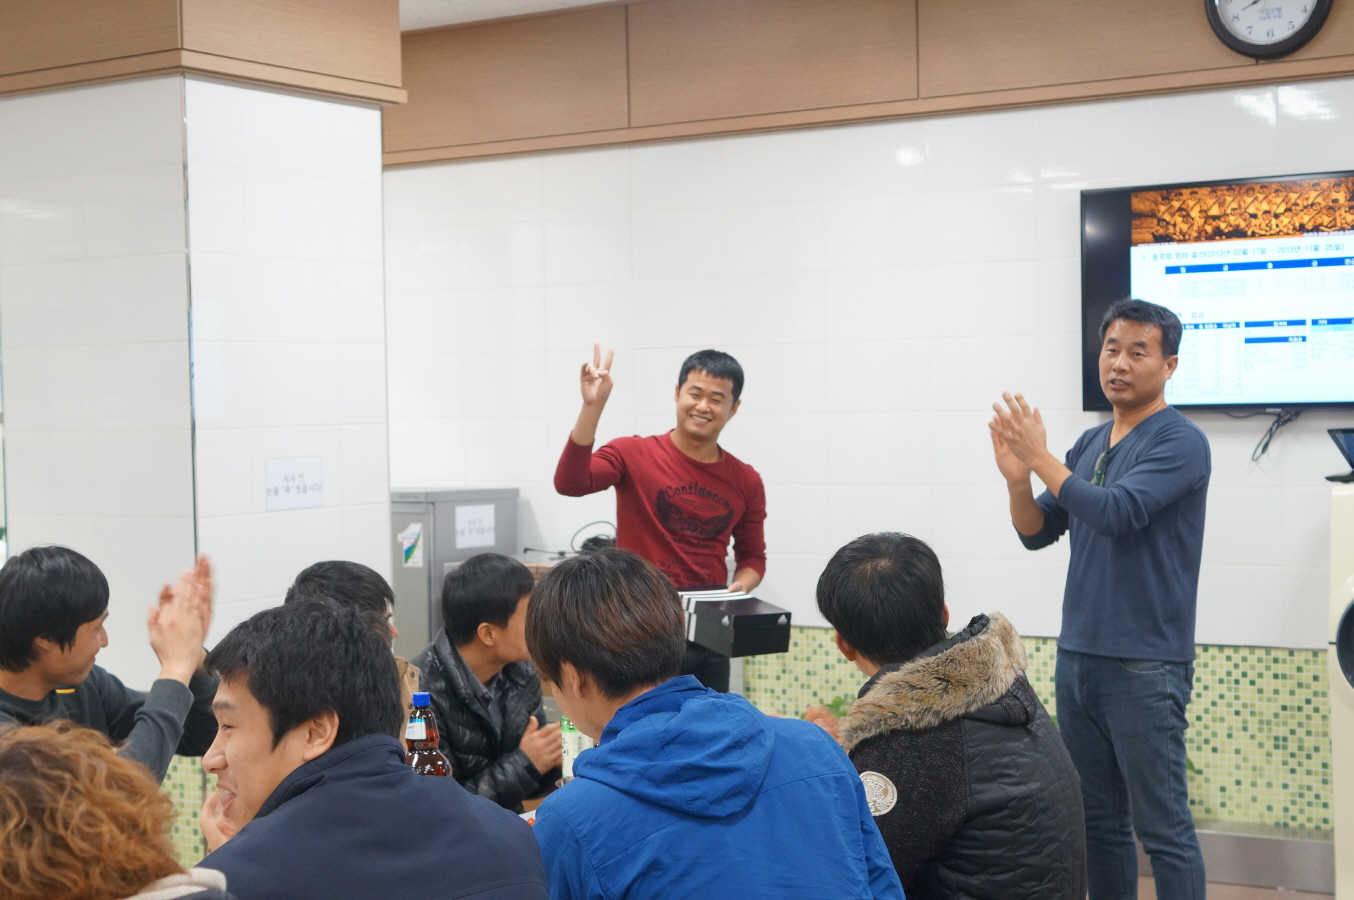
(191, 285)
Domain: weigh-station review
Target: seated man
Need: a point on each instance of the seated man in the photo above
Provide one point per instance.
(361, 587)
(968, 779)
(312, 775)
(347, 584)
(692, 793)
(53, 603)
(485, 693)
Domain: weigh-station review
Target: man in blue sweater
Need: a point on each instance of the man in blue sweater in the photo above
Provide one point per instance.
(1131, 494)
(311, 774)
(692, 793)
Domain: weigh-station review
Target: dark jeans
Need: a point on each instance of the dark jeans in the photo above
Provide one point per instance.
(710, 668)
(1123, 721)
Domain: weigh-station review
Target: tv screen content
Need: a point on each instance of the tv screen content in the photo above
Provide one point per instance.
(1260, 272)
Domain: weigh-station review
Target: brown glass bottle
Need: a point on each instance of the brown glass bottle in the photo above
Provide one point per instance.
(420, 740)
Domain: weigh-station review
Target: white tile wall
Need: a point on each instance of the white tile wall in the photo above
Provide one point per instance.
(882, 284)
(107, 372)
(94, 340)
(288, 339)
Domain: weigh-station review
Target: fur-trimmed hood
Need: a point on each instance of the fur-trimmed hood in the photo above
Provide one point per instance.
(973, 669)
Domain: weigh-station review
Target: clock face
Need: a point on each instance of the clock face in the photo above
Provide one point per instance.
(1264, 22)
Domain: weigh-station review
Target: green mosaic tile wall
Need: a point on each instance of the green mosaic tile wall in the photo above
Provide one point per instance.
(186, 785)
(1258, 741)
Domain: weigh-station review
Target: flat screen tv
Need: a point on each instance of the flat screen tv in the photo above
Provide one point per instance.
(1260, 272)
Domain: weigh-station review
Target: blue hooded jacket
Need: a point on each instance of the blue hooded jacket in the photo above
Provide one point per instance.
(356, 823)
(694, 793)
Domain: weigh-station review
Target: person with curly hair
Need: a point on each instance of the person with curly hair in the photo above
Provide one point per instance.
(78, 822)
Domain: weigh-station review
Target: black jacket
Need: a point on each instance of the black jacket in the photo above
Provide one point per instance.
(485, 761)
(356, 823)
(968, 779)
(149, 728)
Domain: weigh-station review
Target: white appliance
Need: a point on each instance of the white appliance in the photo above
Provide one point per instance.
(1340, 660)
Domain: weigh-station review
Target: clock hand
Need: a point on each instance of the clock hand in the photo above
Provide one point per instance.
(1249, 5)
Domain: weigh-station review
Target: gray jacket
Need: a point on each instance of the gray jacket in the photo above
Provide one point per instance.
(149, 727)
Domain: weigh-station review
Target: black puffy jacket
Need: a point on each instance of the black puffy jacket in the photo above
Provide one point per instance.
(969, 781)
(485, 761)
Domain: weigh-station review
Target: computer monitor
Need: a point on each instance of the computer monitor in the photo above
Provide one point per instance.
(1260, 272)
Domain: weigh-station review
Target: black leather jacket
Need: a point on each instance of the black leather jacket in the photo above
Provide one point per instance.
(486, 762)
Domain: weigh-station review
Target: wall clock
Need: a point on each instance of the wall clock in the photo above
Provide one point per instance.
(1264, 29)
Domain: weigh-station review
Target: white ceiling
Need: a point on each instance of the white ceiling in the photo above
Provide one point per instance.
(435, 13)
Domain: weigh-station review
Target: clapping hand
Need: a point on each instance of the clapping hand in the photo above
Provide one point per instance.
(178, 625)
(1011, 468)
(1018, 437)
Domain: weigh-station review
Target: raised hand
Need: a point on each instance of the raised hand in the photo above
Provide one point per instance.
(178, 625)
(1021, 429)
(1011, 468)
(595, 378)
(203, 590)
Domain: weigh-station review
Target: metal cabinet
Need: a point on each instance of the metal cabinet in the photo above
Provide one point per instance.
(433, 531)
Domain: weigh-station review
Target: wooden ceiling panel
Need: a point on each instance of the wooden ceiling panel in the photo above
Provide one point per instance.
(356, 39)
(517, 78)
(971, 46)
(46, 34)
(709, 59)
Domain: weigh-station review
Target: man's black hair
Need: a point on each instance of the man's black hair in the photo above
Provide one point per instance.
(1167, 322)
(313, 656)
(612, 616)
(484, 588)
(885, 596)
(715, 363)
(346, 583)
(46, 592)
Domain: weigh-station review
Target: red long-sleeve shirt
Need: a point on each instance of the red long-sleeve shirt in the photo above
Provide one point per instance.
(672, 510)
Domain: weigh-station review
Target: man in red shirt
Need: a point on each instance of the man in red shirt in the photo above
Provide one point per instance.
(679, 496)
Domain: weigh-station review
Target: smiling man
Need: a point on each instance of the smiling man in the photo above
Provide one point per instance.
(313, 778)
(680, 497)
(1131, 493)
(53, 605)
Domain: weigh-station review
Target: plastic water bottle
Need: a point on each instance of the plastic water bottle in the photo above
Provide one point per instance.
(421, 738)
(573, 743)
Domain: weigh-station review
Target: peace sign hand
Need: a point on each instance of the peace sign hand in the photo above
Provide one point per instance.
(595, 378)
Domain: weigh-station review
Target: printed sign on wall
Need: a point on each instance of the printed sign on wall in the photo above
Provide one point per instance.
(475, 526)
(294, 482)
